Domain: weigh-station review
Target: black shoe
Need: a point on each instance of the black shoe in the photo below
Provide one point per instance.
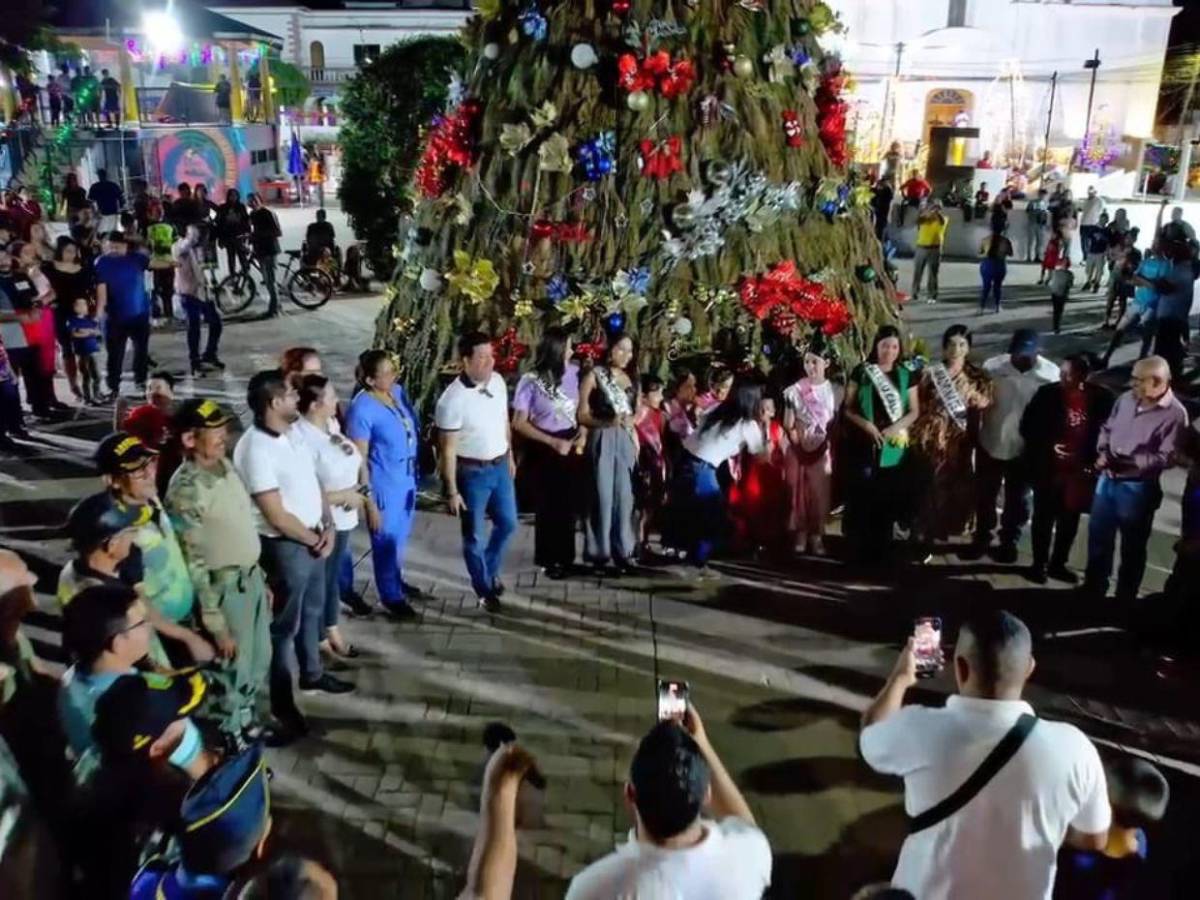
(498, 589)
(401, 612)
(974, 550)
(8, 445)
(556, 573)
(59, 406)
(214, 362)
(412, 592)
(491, 603)
(20, 433)
(1037, 574)
(356, 606)
(198, 369)
(1005, 553)
(326, 684)
(1063, 574)
(287, 729)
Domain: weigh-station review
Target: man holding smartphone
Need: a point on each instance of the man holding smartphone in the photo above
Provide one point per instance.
(992, 792)
(672, 850)
(294, 523)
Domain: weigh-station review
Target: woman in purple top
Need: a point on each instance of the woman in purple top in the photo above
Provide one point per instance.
(544, 406)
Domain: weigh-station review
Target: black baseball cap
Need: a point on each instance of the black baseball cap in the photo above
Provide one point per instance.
(96, 519)
(121, 453)
(133, 713)
(199, 413)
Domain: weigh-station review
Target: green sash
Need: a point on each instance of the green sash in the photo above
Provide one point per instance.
(890, 455)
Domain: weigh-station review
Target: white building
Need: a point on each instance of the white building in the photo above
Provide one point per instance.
(330, 39)
(989, 64)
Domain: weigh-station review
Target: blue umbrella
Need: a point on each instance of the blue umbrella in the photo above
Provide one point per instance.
(295, 157)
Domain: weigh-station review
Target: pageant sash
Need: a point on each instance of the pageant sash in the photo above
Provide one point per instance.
(948, 393)
(617, 398)
(893, 403)
(564, 406)
(812, 409)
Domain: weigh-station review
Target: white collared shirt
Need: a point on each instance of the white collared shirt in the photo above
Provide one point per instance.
(1003, 843)
(731, 862)
(479, 414)
(1000, 431)
(280, 462)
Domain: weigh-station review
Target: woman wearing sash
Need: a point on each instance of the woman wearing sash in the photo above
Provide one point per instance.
(809, 408)
(881, 404)
(544, 407)
(951, 393)
(606, 409)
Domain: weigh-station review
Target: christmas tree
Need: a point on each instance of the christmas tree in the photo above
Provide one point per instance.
(673, 168)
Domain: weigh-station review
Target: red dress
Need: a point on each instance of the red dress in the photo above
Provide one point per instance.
(758, 500)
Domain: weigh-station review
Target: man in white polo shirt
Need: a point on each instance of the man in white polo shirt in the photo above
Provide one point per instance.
(293, 520)
(477, 463)
(673, 851)
(991, 791)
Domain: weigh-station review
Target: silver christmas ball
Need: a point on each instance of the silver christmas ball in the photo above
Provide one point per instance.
(743, 67)
(638, 101)
(491, 51)
(682, 326)
(583, 56)
(431, 280)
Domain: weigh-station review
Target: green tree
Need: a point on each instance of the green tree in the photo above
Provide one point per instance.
(292, 86)
(384, 112)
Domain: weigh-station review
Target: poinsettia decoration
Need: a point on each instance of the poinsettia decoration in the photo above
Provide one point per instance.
(831, 116)
(791, 128)
(560, 232)
(782, 297)
(509, 352)
(450, 146)
(656, 72)
(662, 159)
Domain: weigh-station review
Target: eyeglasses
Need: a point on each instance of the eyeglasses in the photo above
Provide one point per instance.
(134, 627)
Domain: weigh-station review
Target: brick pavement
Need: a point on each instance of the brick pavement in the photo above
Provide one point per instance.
(781, 661)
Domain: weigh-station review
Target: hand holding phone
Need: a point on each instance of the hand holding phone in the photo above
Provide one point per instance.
(672, 699)
(927, 646)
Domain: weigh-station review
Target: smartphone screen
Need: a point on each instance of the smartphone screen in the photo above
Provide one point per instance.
(927, 646)
(672, 699)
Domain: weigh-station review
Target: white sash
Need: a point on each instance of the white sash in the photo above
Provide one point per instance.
(616, 394)
(812, 409)
(564, 406)
(948, 393)
(893, 403)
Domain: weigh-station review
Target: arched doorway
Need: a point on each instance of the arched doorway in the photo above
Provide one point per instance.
(948, 106)
(316, 60)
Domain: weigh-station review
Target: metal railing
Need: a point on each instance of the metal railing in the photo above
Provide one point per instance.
(331, 74)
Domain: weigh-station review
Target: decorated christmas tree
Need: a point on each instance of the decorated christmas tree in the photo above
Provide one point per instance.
(673, 168)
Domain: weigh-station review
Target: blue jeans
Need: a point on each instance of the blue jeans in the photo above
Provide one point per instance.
(700, 505)
(196, 310)
(298, 580)
(992, 271)
(345, 570)
(333, 578)
(487, 491)
(1126, 507)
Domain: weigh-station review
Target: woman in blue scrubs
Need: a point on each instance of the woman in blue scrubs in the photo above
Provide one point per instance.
(384, 426)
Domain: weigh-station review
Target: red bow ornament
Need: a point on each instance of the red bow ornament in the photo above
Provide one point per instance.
(560, 232)
(782, 297)
(791, 128)
(509, 352)
(662, 159)
(656, 72)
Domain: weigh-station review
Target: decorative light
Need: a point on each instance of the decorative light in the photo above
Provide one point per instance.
(162, 31)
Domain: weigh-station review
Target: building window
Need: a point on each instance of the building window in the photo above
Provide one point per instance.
(316, 55)
(365, 53)
(956, 17)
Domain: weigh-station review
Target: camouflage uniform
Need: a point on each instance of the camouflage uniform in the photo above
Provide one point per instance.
(212, 514)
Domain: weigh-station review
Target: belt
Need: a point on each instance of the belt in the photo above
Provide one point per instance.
(226, 571)
(929, 246)
(472, 463)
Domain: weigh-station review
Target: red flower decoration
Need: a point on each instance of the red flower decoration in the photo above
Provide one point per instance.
(791, 128)
(509, 352)
(590, 349)
(621, 7)
(831, 117)
(782, 297)
(450, 145)
(560, 232)
(662, 159)
(656, 72)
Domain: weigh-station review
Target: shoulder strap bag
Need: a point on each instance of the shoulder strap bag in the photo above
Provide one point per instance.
(979, 779)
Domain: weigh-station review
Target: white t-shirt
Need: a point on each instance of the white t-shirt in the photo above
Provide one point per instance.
(279, 462)
(478, 414)
(1000, 431)
(337, 469)
(1003, 843)
(715, 445)
(732, 862)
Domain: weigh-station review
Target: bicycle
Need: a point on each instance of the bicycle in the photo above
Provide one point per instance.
(306, 286)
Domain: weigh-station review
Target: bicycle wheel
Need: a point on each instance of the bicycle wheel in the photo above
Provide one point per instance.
(309, 288)
(235, 293)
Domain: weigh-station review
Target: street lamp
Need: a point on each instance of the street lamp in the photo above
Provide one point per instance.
(1094, 65)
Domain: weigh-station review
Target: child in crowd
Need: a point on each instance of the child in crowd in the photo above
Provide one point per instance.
(681, 408)
(809, 408)
(650, 484)
(758, 499)
(1061, 281)
(85, 342)
(1097, 255)
(720, 382)
(1139, 794)
(1050, 257)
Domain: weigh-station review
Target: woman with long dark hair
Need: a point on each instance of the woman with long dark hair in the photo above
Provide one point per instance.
(545, 406)
(384, 426)
(696, 497)
(881, 404)
(607, 401)
(71, 281)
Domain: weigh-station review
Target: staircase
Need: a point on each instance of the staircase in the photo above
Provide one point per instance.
(54, 153)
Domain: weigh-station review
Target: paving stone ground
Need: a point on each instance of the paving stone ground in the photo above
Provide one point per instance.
(781, 659)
